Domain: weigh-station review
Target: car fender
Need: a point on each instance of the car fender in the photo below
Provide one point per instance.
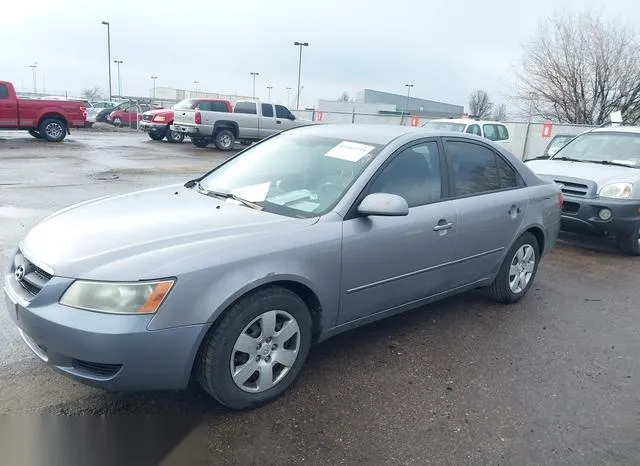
(52, 111)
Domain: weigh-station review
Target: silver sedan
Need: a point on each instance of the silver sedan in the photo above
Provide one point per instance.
(231, 277)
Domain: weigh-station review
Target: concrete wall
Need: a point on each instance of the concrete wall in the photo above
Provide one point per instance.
(535, 142)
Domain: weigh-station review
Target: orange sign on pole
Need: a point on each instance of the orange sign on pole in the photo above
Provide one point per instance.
(547, 127)
(415, 121)
(319, 116)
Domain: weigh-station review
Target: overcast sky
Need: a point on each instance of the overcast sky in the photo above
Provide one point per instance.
(445, 48)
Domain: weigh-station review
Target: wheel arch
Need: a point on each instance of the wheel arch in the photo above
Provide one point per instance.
(226, 124)
(52, 114)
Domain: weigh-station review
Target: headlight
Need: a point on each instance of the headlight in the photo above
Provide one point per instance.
(617, 190)
(158, 118)
(118, 298)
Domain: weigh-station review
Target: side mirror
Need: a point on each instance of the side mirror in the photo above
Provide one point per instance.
(383, 204)
(292, 116)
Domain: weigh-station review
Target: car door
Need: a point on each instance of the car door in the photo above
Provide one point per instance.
(284, 118)
(246, 115)
(268, 121)
(491, 201)
(391, 261)
(8, 109)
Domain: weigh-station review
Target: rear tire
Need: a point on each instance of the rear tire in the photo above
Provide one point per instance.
(517, 272)
(53, 129)
(199, 142)
(265, 362)
(224, 139)
(174, 137)
(35, 133)
(630, 244)
(156, 136)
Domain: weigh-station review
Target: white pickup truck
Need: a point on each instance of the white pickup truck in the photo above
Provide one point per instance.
(250, 121)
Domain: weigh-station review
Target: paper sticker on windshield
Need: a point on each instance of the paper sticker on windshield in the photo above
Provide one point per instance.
(351, 151)
(253, 193)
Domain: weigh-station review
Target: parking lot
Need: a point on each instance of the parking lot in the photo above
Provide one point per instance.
(554, 379)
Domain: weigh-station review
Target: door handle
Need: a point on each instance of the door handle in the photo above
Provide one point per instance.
(278, 122)
(443, 225)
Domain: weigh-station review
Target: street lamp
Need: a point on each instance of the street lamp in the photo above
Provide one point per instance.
(117, 62)
(269, 87)
(288, 97)
(33, 70)
(299, 44)
(106, 23)
(196, 83)
(254, 74)
(154, 85)
(406, 107)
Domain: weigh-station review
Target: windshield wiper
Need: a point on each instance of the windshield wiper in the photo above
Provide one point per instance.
(226, 195)
(567, 159)
(617, 164)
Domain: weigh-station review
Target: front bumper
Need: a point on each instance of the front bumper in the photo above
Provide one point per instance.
(581, 215)
(114, 352)
(152, 127)
(187, 129)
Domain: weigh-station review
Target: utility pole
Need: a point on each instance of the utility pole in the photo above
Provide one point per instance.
(196, 83)
(33, 70)
(154, 85)
(406, 106)
(118, 62)
(254, 74)
(288, 97)
(299, 44)
(106, 23)
(269, 87)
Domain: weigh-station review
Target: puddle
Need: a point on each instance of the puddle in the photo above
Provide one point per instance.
(9, 211)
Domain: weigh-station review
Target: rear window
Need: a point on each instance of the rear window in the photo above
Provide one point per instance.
(4, 92)
(496, 132)
(186, 104)
(218, 106)
(245, 107)
(445, 126)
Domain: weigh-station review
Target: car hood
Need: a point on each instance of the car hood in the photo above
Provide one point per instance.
(159, 111)
(599, 174)
(132, 236)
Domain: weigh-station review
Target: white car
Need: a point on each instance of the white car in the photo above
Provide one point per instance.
(492, 130)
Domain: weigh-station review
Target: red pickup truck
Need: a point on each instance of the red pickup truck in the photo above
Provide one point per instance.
(44, 119)
(157, 122)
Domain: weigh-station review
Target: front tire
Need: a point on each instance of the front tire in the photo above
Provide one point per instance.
(224, 139)
(53, 129)
(174, 137)
(257, 349)
(630, 243)
(199, 142)
(518, 270)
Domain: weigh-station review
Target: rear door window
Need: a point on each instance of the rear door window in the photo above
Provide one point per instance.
(245, 107)
(267, 110)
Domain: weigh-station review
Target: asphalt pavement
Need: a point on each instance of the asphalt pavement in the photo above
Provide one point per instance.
(554, 379)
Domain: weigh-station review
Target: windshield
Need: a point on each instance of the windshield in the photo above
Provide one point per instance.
(186, 104)
(556, 143)
(293, 175)
(445, 126)
(614, 147)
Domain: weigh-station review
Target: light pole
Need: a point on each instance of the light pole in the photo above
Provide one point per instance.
(33, 70)
(154, 85)
(196, 83)
(288, 97)
(269, 87)
(299, 44)
(254, 74)
(117, 62)
(406, 107)
(106, 23)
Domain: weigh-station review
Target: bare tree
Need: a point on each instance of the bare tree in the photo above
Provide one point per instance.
(92, 93)
(480, 104)
(500, 113)
(344, 97)
(580, 68)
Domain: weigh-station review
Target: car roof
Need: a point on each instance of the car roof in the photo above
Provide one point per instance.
(617, 129)
(371, 133)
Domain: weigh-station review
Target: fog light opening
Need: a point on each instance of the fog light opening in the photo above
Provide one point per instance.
(605, 214)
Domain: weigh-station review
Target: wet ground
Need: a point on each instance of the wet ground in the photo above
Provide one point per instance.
(554, 379)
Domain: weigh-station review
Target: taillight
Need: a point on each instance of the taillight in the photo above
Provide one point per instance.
(560, 200)
(198, 118)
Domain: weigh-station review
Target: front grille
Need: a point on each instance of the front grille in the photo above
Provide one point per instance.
(97, 368)
(570, 207)
(573, 189)
(147, 117)
(31, 277)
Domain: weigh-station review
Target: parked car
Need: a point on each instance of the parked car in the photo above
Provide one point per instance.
(492, 130)
(157, 123)
(105, 108)
(250, 121)
(599, 174)
(232, 276)
(128, 114)
(45, 119)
